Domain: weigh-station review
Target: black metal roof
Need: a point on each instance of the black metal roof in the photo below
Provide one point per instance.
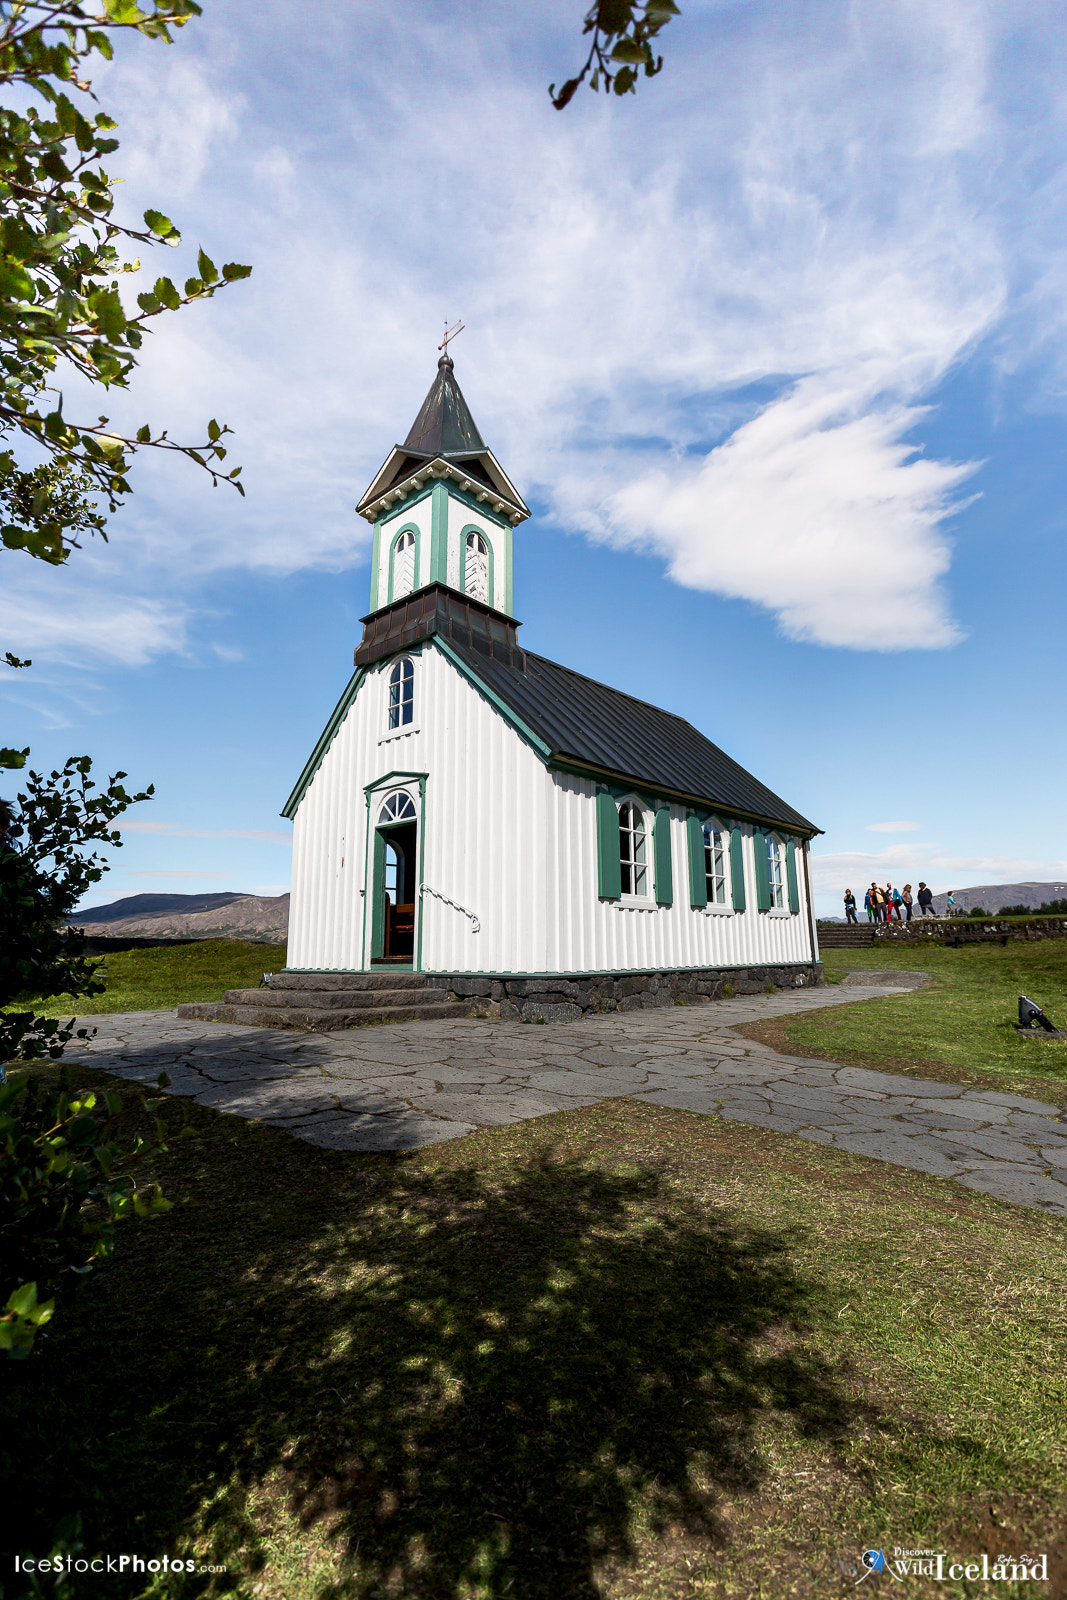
(444, 425)
(589, 725)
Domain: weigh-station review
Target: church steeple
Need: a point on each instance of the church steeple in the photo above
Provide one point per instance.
(444, 425)
(442, 506)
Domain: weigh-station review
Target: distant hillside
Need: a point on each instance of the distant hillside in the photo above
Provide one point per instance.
(147, 905)
(190, 916)
(991, 896)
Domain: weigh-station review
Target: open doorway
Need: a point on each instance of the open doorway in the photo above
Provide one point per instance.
(395, 883)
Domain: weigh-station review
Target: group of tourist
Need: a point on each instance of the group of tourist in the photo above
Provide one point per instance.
(881, 904)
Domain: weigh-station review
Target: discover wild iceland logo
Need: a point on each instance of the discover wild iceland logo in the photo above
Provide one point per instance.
(936, 1564)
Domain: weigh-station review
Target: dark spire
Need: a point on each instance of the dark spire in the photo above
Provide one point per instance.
(444, 426)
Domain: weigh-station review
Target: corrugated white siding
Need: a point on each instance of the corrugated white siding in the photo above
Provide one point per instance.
(506, 840)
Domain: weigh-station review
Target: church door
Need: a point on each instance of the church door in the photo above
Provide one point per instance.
(394, 883)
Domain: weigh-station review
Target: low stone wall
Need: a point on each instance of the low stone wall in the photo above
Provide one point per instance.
(971, 929)
(514, 999)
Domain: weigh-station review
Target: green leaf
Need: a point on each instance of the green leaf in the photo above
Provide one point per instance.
(193, 287)
(144, 434)
(149, 304)
(157, 223)
(627, 49)
(231, 272)
(13, 760)
(166, 294)
(213, 431)
(206, 268)
(22, 1300)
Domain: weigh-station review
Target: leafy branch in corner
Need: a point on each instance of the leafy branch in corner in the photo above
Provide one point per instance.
(621, 46)
(61, 269)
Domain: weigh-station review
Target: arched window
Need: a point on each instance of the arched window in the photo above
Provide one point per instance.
(404, 564)
(476, 568)
(776, 872)
(633, 849)
(398, 808)
(401, 694)
(715, 864)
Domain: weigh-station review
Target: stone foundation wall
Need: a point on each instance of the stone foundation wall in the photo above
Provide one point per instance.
(566, 999)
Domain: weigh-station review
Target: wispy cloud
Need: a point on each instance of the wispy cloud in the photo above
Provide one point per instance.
(175, 830)
(709, 327)
(835, 872)
(892, 827)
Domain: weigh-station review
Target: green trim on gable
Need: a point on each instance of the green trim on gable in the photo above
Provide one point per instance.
(438, 534)
(327, 737)
(509, 549)
(494, 699)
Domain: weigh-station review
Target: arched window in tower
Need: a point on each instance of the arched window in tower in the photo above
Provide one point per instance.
(476, 568)
(633, 849)
(401, 694)
(404, 564)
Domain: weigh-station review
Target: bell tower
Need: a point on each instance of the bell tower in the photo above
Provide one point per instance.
(442, 507)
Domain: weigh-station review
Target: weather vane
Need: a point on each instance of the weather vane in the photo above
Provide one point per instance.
(450, 333)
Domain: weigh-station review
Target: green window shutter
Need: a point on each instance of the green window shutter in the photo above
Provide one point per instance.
(737, 869)
(791, 877)
(608, 859)
(763, 877)
(698, 882)
(661, 838)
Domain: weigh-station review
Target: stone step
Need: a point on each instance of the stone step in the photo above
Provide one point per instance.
(319, 1019)
(385, 978)
(324, 999)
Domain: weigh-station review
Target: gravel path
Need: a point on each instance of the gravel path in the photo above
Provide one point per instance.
(412, 1084)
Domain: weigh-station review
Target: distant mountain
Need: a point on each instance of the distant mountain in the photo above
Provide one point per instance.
(190, 916)
(991, 896)
(147, 905)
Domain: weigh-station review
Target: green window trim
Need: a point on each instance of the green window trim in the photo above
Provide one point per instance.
(416, 567)
(763, 876)
(608, 863)
(472, 527)
(791, 877)
(438, 534)
(661, 854)
(737, 868)
(698, 883)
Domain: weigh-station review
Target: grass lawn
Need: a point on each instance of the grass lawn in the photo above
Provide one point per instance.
(960, 1026)
(612, 1353)
(159, 979)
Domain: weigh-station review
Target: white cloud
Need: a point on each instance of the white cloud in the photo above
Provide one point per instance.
(831, 213)
(816, 511)
(835, 872)
(892, 827)
(173, 830)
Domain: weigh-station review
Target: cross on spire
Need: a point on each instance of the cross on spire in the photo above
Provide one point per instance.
(452, 332)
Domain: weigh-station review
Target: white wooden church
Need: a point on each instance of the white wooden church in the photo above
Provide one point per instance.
(473, 808)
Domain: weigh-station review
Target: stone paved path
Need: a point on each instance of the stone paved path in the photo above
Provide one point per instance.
(399, 1087)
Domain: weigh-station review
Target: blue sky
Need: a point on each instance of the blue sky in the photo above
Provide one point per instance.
(776, 350)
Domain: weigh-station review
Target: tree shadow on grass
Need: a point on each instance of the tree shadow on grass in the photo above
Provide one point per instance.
(478, 1381)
